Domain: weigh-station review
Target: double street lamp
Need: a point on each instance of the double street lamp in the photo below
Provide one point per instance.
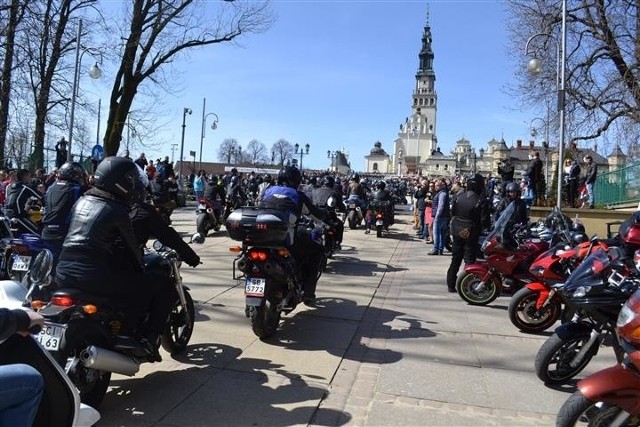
(184, 125)
(535, 66)
(298, 150)
(95, 73)
(214, 126)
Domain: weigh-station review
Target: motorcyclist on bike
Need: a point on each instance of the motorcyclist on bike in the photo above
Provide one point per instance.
(100, 254)
(320, 197)
(18, 196)
(214, 194)
(380, 195)
(306, 252)
(357, 192)
(59, 200)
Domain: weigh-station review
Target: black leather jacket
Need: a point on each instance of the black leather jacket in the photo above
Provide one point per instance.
(321, 195)
(99, 240)
(59, 201)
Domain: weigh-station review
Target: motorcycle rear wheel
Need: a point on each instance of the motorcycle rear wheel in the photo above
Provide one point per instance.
(525, 316)
(177, 332)
(559, 352)
(264, 319)
(470, 290)
(351, 218)
(202, 224)
(91, 383)
(378, 231)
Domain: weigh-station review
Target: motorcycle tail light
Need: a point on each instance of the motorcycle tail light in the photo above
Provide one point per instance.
(90, 309)
(258, 255)
(63, 301)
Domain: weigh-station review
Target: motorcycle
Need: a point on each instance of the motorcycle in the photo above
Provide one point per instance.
(355, 215)
(379, 215)
(595, 290)
(82, 331)
(272, 278)
(481, 283)
(611, 397)
(206, 218)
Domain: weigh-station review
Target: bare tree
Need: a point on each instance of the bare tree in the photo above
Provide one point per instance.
(603, 63)
(256, 152)
(282, 151)
(159, 31)
(227, 150)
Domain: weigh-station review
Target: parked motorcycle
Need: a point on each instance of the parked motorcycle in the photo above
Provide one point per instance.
(206, 218)
(611, 397)
(272, 278)
(355, 216)
(596, 290)
(82, 330)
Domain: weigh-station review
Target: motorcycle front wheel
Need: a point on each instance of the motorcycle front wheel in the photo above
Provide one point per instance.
(91, 383)
(553, 361)
(264, 319)
(178, 331)
(525, 316)
(577, 410)
(474, 292)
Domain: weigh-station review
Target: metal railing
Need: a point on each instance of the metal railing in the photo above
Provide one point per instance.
(618, 186)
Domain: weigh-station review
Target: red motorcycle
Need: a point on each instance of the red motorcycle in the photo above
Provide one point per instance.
(611, 397)
(506, 263)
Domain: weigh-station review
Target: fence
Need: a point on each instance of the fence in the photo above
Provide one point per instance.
(619, 186)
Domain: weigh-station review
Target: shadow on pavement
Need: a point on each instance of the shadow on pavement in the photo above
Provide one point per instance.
(368, 343)
(352, 266)
(204, 394)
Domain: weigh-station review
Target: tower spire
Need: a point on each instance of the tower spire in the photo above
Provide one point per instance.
(427, 20)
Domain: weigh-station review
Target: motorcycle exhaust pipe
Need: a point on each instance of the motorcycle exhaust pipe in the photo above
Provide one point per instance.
(209, 210)
(242, 265)
(106, 360)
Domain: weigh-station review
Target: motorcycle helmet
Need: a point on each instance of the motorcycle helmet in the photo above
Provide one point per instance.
(328, 181)
(380, 185)
(198, 238)
(118, 176)
(512, 187)
(73, 172)
(475, 183)
(290, 177)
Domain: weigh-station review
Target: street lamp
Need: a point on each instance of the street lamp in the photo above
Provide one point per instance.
(299, 150)
(94, 73)
(534, 66)
(237, 154)
(214, 126)
(332, 155)
(184, 125)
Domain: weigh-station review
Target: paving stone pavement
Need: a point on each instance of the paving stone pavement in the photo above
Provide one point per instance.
(386, 345)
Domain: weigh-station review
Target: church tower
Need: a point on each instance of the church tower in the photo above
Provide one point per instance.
(417, 136)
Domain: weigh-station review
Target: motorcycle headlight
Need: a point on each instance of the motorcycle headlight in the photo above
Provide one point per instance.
(537, 271)
(626, 316)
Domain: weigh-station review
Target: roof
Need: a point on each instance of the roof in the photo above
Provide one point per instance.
(617, 152)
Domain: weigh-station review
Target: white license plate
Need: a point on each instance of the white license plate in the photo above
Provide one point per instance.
(21, 263)
(255, 286)
(379, 222)
(50, 336)
(202, 207)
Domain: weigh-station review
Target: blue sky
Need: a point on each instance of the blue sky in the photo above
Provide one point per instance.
(337, 74)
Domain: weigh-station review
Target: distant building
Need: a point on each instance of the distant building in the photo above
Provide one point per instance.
(378, 161)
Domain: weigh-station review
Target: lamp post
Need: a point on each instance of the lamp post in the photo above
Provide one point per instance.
(185, 111)
(534, 66)
(299, 150)
(214, 126)
(332, 155)
(237, 154)
(94, 73)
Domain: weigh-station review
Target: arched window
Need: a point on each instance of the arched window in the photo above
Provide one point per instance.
(437, 166)
(375, 167)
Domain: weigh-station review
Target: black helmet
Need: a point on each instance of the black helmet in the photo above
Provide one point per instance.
(290, 176)
(328, 181)
(73, 172)
(511, 187)
(380, 185)
(475, 183)
(118, 176)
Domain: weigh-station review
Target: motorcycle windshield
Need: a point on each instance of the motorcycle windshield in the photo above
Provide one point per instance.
(502, 222)
(590, 273)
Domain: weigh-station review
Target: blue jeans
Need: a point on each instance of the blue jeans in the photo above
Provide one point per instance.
(591, 199)
(20, 394)
(439, 233)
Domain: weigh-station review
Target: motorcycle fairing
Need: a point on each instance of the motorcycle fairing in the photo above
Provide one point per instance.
(572, 329)
(616, 385)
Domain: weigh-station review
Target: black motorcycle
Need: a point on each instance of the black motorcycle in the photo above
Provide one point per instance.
(205, 218)
(82, 330)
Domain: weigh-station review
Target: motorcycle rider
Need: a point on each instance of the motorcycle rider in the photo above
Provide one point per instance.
(469, 213)
(100, 254)
(214, 193)
(380, 195)
(512, 194)
(59, 200)
(320, 197)
(306, 252)
(18, 196)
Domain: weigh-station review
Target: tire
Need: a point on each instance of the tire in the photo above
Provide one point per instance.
(202, 224)
(559, 352)
(177, 332)
(351, 218)
(378, 231)
(524, 315)
(91, 384)
(467, 286)
(264, 319)
(578, 410)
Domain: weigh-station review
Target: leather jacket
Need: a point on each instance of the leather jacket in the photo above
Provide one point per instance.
(59, 201)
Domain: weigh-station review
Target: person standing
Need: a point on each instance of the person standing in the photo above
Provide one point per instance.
(506, 171)
(534, 175)
(440, 216)
(590, 179)
(469, 213)
(420, 198)
(572, 183)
